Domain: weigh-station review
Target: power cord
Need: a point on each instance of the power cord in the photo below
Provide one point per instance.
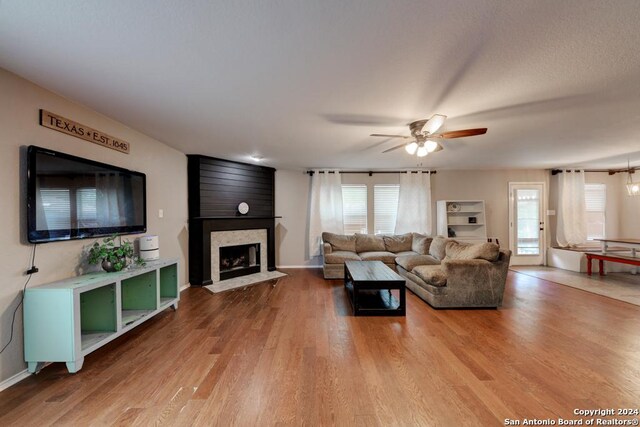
(30, 272)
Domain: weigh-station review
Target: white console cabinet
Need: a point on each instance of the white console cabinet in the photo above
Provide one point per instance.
(66, 320)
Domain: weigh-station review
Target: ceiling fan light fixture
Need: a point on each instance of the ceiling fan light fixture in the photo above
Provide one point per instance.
(411, 148)
(431, 145)
(633, 188)
(422, 151)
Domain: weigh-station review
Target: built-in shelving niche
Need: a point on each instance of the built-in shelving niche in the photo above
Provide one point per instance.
(97, 315)
(168, 280)
(139, 297)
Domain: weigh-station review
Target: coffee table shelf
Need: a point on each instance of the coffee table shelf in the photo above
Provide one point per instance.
(369, 285)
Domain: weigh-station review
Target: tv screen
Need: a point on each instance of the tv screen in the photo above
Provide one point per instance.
(70, 197)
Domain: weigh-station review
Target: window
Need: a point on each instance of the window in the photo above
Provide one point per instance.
(385, 208)
(527, 221)
(57, 214)
(86, 207)
(595, 198)
(354, 208)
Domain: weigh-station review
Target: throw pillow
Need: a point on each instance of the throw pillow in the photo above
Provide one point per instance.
(369, 243)
(398, 243)
(487, 251)
(340, 242)
(421, 243)
(437, 248)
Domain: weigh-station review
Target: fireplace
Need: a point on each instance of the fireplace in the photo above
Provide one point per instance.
(234, 245)
(239, 260)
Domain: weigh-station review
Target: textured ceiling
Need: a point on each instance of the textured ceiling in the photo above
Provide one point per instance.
(303, 83)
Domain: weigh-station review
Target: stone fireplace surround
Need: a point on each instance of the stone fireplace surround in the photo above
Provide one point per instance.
(233, 238)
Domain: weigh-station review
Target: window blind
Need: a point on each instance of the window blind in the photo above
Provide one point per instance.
(86, 207)
(385, 208)
(595, 198)
(58, 208)
(354, 208)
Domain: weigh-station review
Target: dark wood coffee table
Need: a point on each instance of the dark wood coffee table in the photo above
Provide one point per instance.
(369, 285)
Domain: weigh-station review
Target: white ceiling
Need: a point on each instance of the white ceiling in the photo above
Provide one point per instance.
(303, 83)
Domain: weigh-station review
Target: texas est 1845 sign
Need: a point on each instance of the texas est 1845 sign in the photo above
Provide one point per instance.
(61, 124)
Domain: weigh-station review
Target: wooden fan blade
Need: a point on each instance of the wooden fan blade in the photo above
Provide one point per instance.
(390, 136)
(394, 148)
(463, 133)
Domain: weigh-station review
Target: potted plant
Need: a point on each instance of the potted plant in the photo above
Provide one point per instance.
(113, 257)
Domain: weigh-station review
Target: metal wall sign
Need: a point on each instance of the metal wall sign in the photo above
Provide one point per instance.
(64, 125)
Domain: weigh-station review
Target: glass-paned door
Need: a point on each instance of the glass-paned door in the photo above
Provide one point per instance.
(526, 230)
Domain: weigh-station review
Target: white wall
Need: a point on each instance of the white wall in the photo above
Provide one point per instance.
(492, 186)
(292, 203)
(292, 194)
(166, 170)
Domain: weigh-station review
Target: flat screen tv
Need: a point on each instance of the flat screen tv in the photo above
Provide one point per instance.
(69, 197)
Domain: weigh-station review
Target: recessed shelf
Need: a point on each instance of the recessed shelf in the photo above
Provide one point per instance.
(92, 338)
(464, 212)
(131, 316)
(454, 224)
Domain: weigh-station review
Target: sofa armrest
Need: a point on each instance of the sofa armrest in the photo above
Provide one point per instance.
(474, 273)
(326, 248)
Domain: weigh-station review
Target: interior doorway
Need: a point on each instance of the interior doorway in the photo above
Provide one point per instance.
(526, 222)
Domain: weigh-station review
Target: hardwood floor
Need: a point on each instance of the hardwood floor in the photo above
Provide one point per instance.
(294, 355)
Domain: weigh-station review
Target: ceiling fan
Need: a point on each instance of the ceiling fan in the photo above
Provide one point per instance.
(423, 133)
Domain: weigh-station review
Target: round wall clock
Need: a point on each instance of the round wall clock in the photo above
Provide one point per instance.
(243, 208)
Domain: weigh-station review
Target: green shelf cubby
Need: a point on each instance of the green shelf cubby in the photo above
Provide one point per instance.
(139, 297)
(168, 284)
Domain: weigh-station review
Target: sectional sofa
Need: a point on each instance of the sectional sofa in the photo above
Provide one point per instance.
(443, 272)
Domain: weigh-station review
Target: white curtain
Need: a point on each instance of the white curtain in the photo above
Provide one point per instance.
(572, 224)
(110, 200)
(325, 208)
(414, 203)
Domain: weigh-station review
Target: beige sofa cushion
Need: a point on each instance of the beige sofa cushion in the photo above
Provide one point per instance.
(420, 243)
(437, 248)
(431, 274)
(369, 243)
(384, 256)
(409, 262)
(398, 243)
(339, 257)
(487, 251)
(340, 242)
(404, 253)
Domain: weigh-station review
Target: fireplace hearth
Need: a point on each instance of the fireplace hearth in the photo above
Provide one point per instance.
(239, 260)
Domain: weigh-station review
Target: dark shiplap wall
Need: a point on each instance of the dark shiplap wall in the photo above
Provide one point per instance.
(217, 186)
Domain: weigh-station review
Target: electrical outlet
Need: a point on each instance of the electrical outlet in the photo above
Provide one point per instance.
(160, 213)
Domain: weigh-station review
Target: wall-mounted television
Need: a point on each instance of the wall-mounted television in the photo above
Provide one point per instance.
(70, 197)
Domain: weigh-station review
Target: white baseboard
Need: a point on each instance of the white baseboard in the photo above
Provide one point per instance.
(182, 288)
(14, 379)
(298, 266)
